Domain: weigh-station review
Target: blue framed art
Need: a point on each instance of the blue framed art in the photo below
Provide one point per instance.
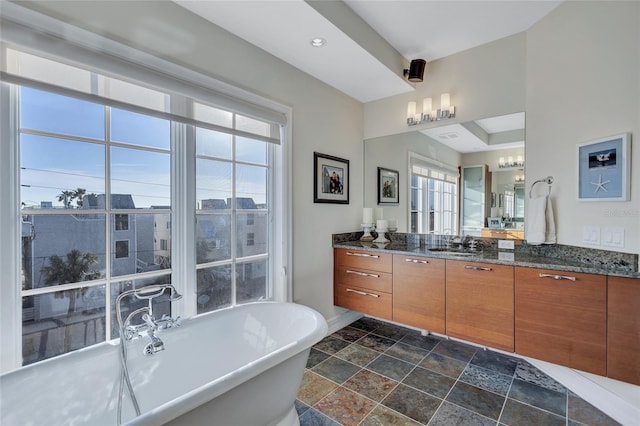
(603, 169)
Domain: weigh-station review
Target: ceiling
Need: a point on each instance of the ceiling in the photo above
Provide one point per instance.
(369, 42)
(488, 134)
(426, 29)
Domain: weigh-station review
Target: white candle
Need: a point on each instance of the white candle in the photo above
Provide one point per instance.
(381, 225)
(392, 223)
(378, 213)
(367, 215)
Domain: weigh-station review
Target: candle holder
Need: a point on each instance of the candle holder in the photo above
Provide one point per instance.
(367, 237)
(381, 238)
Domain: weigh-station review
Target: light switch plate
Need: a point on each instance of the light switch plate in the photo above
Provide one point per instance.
(506, 255)
(591, 235)
(613, 237)
(506, 244)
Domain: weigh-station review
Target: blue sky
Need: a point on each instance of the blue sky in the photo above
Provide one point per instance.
(51, 165)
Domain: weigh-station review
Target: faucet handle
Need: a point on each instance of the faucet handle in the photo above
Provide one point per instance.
(130, 332)
(167, 322)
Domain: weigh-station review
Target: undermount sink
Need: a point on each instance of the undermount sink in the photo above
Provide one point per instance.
(453, 251)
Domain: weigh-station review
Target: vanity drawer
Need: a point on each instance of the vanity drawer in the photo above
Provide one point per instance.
(374, 303)
(361, 259)
(364, 278)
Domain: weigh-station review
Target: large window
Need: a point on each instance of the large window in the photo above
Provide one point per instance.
(433, 200)
(102, 166)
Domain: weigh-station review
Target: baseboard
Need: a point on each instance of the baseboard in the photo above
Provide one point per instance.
(342, 320)
(598, 391)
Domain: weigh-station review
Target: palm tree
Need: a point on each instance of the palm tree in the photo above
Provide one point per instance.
(79, 194)
(76, 268)
(66, 197)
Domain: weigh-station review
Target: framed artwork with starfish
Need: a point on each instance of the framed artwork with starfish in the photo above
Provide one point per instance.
(604, 169)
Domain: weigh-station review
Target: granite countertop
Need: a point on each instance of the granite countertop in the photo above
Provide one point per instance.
(491, 255)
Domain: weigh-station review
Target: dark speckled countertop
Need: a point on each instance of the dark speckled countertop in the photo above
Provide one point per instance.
(561, 258)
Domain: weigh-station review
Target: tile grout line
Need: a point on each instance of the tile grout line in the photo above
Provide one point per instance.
(373, 333)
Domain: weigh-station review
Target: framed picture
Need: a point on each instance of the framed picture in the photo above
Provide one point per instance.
(494, 222)
(388, 193)
(604, 169)
(330, 179)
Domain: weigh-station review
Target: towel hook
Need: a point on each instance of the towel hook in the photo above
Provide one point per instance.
(548, 180)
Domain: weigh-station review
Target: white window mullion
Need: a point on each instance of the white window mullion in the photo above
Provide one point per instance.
(183, 220)
(10, 232)
(234, 219)
(107, 222)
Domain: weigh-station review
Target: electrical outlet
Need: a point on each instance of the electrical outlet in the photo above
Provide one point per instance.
(506, 244)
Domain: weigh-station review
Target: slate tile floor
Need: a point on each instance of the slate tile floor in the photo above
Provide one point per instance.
(376, 373)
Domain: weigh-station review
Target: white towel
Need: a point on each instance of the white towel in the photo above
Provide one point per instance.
(541, 227)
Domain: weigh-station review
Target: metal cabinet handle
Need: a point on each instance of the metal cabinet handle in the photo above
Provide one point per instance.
(362, 255)
(557, 277)
(362, 274)
(416, 261)
(363, 293)
(478, 268)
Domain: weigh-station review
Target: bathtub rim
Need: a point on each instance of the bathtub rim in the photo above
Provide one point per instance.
(175, 408)
(178, 406)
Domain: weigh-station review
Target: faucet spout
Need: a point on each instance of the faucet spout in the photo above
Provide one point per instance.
(156, 345)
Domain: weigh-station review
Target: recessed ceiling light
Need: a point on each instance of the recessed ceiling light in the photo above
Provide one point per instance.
(318, 42)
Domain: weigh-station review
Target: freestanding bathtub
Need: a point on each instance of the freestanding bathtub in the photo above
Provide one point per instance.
(239, 366)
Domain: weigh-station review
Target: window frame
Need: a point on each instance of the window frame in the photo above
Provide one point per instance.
(183, 220)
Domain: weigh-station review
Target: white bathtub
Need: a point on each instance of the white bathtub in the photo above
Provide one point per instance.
(240, 366)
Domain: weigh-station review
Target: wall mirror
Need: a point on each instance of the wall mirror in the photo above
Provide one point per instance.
(488, 152)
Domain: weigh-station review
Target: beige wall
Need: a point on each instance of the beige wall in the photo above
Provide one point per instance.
(486, 81)
(324, 119)
(576, 73)
(583, 83)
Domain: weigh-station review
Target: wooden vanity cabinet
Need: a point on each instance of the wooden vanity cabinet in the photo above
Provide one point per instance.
(418, 292)
(479, 303)
(623, 329)
(503, 234)
(561, 317)
(363, 282)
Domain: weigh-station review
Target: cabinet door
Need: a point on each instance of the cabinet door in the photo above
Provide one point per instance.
(623, 334)
(418, 292)
(561, 317)
(476, 184)
(479, 303)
